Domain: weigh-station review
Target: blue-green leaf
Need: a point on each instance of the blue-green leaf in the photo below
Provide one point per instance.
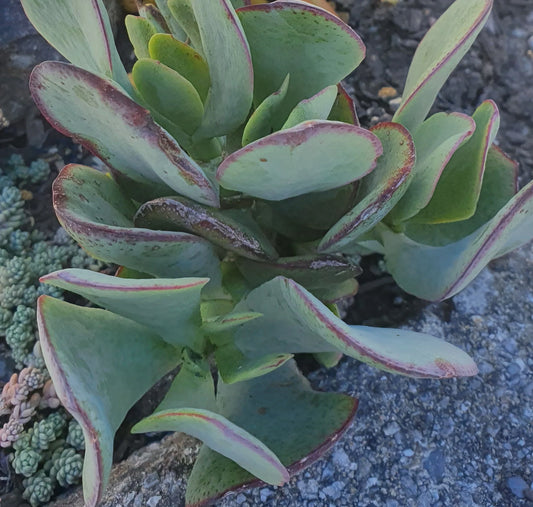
(81, 348)
(295, 161)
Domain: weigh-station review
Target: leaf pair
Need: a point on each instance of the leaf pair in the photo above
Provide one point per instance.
(294, 321)
(265, 425)
(454, 265)
(293, 424)
(81, 347)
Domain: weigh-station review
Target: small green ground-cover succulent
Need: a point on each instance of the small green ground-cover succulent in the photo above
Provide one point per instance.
(241, 192)
(48, 455)
(25, 255)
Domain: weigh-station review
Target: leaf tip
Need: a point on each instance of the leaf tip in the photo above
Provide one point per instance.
(450, 370)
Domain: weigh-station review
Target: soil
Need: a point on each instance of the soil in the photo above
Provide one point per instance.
(499, 66)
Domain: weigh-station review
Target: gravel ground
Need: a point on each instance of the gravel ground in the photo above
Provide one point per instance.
(425, 443)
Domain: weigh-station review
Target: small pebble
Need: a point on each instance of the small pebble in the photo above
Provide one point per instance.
(265, 493)
(334, 490)
(151, 481)
(517, 485)
(391, 429)
(240, 499)
(153, 501)
(435, 465)
(340, 458)
(138, 501)
(395, 103)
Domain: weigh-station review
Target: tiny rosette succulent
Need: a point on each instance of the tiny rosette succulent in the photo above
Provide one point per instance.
(75, 436)
(241, 192)
(26, 461)
(66, 467)
(39, 489)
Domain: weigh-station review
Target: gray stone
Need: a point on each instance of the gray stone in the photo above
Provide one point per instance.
(435, 465)
(163, 466)
(265, 493)
(334, 490)
(153, 501)
(341, 459)
(517, 485)
(391, 429)
(240, 499)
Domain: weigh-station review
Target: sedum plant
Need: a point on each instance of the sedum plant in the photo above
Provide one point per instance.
(241, 192)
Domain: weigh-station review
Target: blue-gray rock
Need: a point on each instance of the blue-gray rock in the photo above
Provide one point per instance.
(517, 485)
(435, 464)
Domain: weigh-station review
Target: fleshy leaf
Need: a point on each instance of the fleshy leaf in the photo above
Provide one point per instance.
(316, 107)
(281, 409)
(344, 108)
(193, 386)
(222, 436)
(310, 44)
(449, 269)
(499, 186)
(140, 31)
(457, 192)
(269, 217)
(234, 366)
(230, 67)
(101, 221)
(229, 229)
(337, 292)
(307, 210)
(183, 59)
(152, 14)
(81, 347)
(437, 55)
(222, 323)
(328, 359)
(263, 119)
(112, 126)
(294, 161)
(80, 30)
(436, 140)
(379, 191)
(311, 271)
(175, 28)
(295, 321)
(183, 13)
(169, 94)
(151, 302)
(239, 3)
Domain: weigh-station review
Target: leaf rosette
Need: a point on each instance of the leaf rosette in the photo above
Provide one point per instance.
(241, 191)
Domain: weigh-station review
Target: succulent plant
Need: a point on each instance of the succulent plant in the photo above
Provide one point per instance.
(241, 191)
(67, 466)
(39, 488)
